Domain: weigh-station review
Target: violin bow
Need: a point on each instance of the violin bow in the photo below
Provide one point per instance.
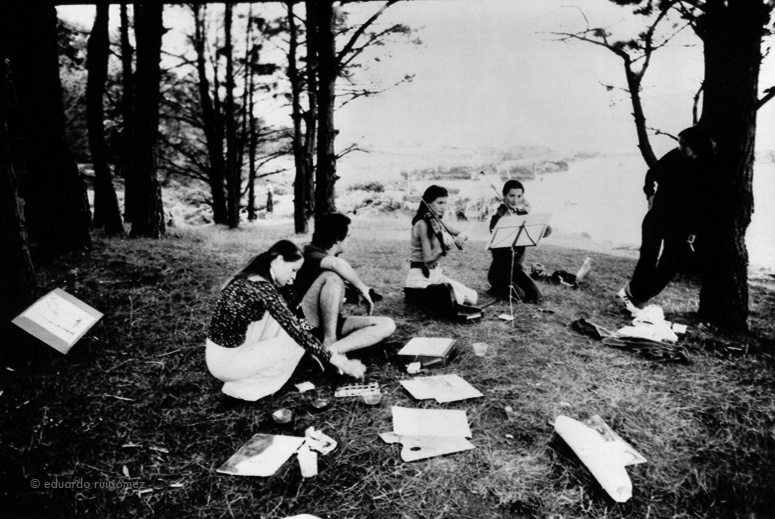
(440, 222)
(497, 193)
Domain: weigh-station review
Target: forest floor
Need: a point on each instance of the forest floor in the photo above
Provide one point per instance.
(130, 423)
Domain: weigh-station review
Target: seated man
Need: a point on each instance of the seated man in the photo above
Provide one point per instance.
(320, 290)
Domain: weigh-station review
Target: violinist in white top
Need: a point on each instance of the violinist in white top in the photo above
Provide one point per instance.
(431, 239)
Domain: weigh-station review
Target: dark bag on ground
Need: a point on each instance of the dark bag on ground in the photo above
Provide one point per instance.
(440, 300)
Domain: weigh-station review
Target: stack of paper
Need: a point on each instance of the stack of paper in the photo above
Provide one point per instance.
(425, 433)
(428, 350)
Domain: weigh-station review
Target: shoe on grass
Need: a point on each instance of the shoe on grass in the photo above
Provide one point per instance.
(629, 304)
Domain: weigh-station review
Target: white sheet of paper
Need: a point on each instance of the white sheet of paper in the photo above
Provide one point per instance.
(262, 455)
(444, 388)
(430, 422)
(60, 317)
(430, 346)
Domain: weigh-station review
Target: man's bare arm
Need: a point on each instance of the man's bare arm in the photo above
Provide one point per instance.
(346, 272)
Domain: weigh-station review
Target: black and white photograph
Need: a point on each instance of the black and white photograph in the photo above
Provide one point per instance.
(437, 259)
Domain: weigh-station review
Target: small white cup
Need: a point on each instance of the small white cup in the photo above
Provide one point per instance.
(480, 349)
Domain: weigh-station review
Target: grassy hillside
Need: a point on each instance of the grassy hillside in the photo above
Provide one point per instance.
(132, 411)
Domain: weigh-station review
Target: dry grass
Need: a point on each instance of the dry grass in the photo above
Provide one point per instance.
(133, 404)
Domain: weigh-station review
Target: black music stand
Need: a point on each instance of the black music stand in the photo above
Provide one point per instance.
(517, 231)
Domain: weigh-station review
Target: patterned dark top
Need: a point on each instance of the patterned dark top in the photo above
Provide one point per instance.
(243, 302)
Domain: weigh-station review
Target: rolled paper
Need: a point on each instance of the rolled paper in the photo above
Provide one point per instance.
(593, 452)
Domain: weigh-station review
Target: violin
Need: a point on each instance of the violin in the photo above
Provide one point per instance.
(439, 228)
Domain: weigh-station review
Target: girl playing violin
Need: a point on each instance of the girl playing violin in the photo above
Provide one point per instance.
(506, 274)
(431, 239)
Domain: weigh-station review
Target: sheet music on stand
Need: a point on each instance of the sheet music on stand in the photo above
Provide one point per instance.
(519, 231)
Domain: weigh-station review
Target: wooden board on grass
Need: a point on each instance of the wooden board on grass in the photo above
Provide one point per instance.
(58, 319)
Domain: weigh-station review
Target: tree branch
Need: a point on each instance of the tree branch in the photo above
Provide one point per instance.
(769, 94)
(358, 33)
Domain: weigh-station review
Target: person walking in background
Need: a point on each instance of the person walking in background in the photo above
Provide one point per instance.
(677, 188)
(430, 241)
(254, 342)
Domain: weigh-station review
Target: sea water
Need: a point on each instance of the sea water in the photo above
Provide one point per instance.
(603, 197)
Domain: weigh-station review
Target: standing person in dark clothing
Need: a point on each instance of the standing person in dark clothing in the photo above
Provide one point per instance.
(677, 191)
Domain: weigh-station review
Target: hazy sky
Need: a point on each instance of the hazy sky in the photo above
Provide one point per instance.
(489, 72)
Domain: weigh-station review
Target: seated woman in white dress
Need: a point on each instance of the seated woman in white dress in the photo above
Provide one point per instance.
(254, 342)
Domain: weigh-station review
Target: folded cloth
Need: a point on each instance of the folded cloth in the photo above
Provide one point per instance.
(558, 277)
(649, 348)
(653, 350)
(591, 329)
(650, 314)
(656, 332)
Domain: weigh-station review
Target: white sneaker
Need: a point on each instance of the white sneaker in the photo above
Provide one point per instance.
(628, 304)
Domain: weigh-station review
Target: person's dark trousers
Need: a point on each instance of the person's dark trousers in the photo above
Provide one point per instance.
(660, 258)
(501, 273)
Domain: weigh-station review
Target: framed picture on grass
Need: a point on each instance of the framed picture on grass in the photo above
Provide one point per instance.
(58, 319)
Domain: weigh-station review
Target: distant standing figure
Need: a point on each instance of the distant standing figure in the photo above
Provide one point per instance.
(254, 342)
(677, 191)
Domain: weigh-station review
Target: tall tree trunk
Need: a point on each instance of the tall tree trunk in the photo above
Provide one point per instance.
(17, 275)
(253, 144)
(211, 125)
(732, 33)
(311, 116)
(148, 221)
(233, 172)
(127, 112)
(56, 206)
(252, 130)
(326, 177)
(106, 211)
(300, 183)
(248, 130)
